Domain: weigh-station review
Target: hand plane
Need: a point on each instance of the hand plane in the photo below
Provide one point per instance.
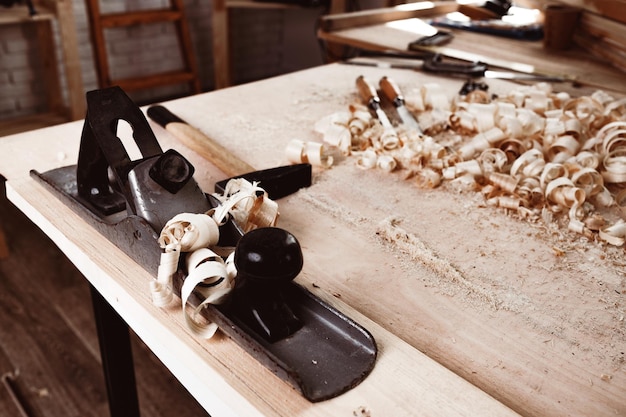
(305, 341)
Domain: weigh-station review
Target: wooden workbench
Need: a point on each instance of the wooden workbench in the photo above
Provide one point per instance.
(475, 312)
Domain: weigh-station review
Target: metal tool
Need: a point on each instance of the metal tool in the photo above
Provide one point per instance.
(295, 334)
(436, 64)
(370, 96)
(391, 90)
(128, 202)
(277, 182)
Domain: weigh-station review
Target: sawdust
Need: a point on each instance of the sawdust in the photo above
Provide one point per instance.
(403, 241)
(565, 288)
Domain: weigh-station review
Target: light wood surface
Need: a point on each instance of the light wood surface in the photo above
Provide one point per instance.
(208, 149)
(369, 17)
(222, 377)
(517, 327)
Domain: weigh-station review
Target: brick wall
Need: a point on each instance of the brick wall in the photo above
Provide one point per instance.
(20, 91)
(260, 48)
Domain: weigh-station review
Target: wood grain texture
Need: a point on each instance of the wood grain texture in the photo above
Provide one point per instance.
(209, 149)
(603, 37)
(368, 17)
(539, 333)
(539, 358)
(612, 9)
(221, 376)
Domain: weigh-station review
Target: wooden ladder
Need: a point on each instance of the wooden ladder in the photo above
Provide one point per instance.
(175, 14)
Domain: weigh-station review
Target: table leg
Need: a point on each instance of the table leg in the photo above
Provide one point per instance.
(4, 246)
(117, 358)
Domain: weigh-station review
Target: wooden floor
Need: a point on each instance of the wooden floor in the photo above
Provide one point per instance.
(48, 341)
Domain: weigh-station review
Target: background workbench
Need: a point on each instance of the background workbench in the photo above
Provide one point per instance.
(392, 29)
(524, 330)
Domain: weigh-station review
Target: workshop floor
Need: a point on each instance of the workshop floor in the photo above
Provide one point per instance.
(48, 344)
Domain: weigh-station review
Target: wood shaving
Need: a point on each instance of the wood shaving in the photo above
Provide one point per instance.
(313, 153)
(209, 275)
(529, 151)
(362, 411)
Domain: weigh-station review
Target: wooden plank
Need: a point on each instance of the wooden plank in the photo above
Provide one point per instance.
(253, 4)
(539, 338)
(604, 49)
(42, 349)
(30, 122)
(221, 44)
(190, 63)
(244, 385)
(603, 27)
(603, 37)
(340, 21)
(49, 66)
(139, 18)
(20, 14)
(538, 357)
(223, 378)
(71, 59)
(155, 80)
(613, 9)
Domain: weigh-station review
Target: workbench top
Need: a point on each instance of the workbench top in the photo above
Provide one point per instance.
(475, 311)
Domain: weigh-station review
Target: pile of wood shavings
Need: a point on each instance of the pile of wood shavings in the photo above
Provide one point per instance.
(535, 152)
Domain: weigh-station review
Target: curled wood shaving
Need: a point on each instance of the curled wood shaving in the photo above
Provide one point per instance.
(367, 159)
(539, 153)
(185, 232)
(313, 153)
(248, 204)
(386, 162)
(209, 276)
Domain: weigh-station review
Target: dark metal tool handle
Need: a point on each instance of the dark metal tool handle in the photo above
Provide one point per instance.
(437, 65)
(163, 116)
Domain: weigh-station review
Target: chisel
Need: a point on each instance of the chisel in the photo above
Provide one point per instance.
(370, 96)
(437, 65)
(391, 90)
